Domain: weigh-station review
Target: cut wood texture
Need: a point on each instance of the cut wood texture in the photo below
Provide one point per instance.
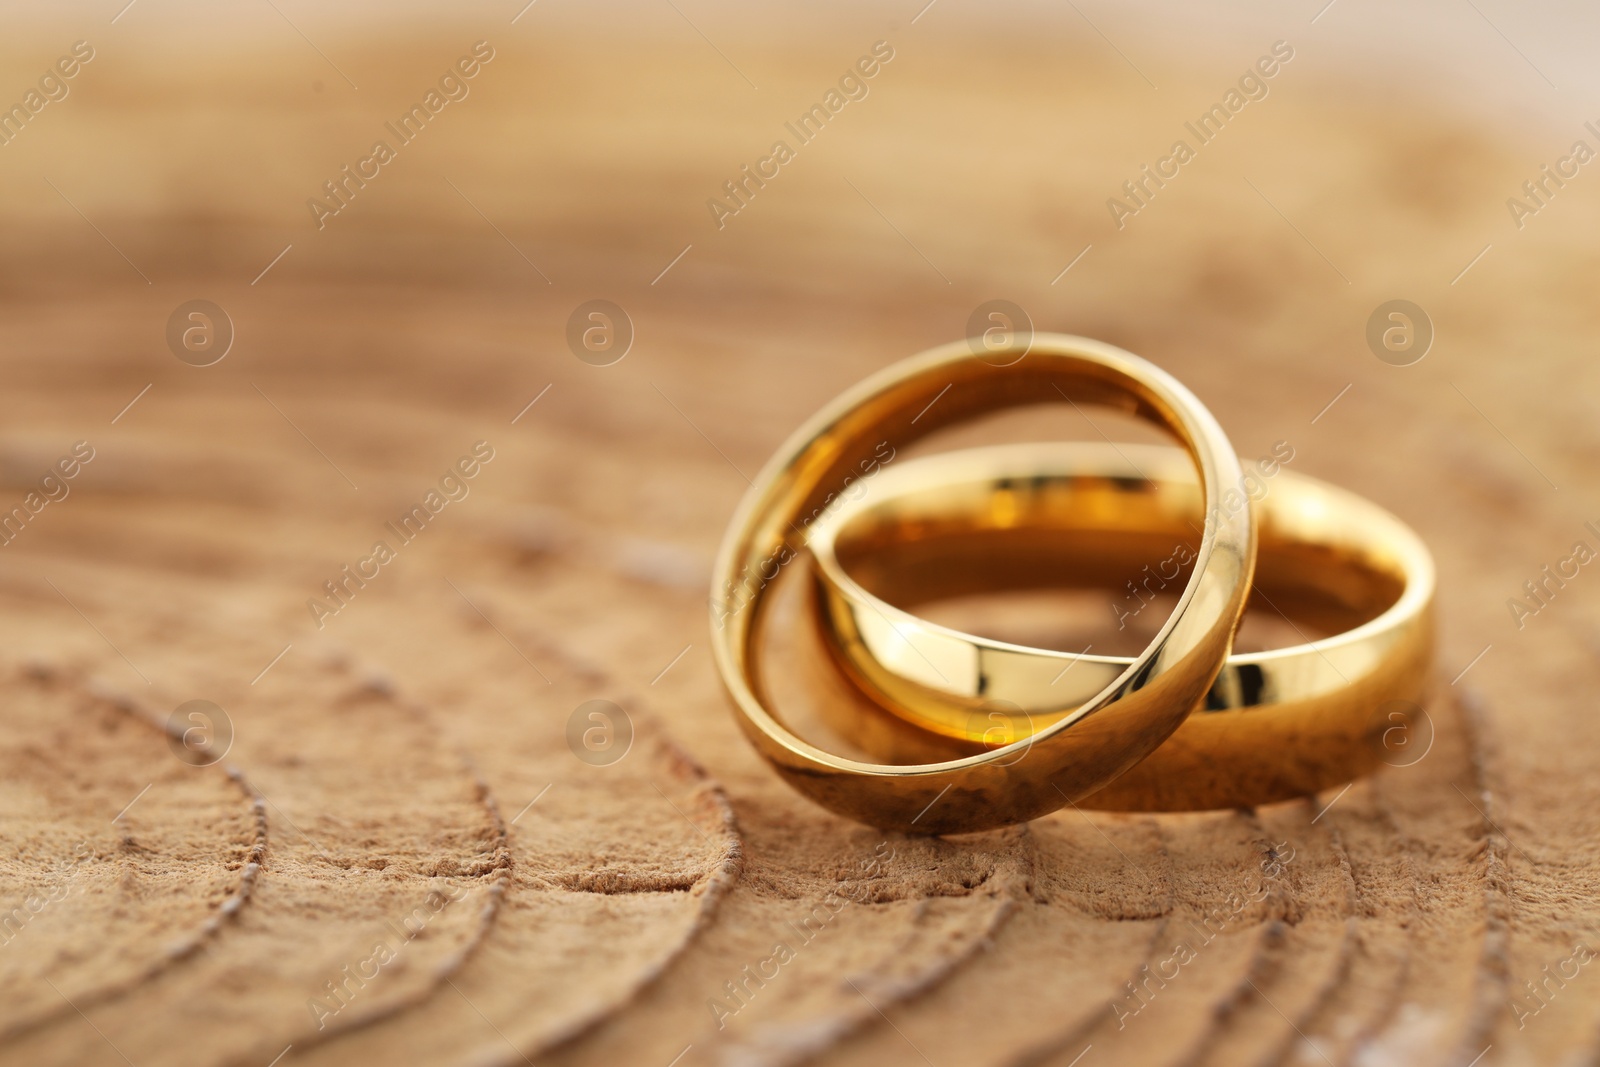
(414, 849)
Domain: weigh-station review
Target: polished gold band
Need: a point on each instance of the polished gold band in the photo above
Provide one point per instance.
(1274, 724)
(1091, 741)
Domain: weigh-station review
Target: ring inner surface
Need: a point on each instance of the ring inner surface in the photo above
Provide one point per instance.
(1129, 537)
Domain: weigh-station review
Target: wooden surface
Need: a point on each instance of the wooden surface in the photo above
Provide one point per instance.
(408, 761)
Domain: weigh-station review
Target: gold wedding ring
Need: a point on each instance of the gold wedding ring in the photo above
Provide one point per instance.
(1274, 724)
(1092, 738)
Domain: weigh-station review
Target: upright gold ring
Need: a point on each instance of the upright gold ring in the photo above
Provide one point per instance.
(1091, 741)
(1275, 724)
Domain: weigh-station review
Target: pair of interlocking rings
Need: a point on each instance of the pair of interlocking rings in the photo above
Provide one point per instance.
(960, 732)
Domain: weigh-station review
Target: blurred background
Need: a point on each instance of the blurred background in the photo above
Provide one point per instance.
(399, 766)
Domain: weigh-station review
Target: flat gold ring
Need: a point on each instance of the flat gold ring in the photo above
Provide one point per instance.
(1275, 724)
(1091, 742)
